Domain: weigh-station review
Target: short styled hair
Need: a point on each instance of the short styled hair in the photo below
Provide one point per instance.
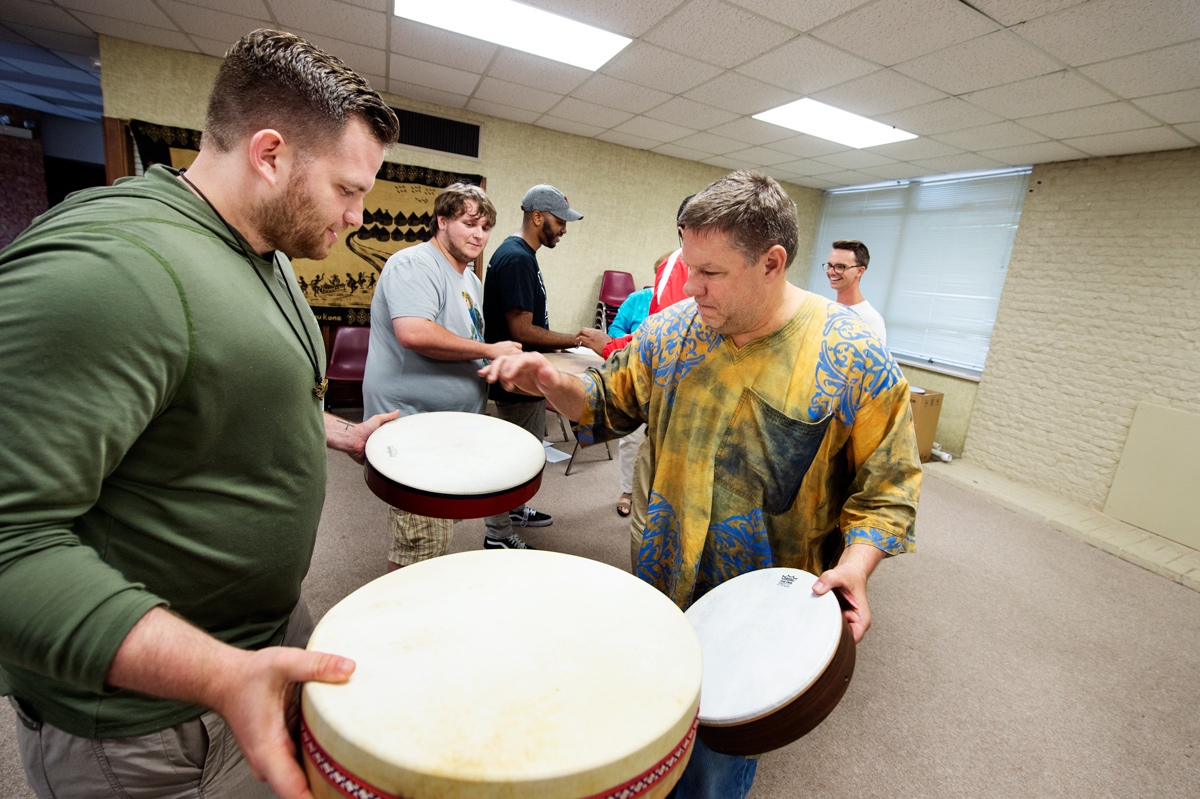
(272, 79)
(862, 256)
(452, 201)
(751, 208)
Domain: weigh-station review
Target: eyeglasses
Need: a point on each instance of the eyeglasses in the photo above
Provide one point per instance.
(839, 268)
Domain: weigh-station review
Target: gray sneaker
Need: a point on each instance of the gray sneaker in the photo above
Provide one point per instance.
(512, 542)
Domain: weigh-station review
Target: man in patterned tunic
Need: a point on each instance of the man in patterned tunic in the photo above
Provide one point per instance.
(780, 427)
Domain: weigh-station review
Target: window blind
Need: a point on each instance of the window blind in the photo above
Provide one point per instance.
(939, 255)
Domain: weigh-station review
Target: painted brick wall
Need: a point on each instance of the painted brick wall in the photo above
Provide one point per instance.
(1100, 311)
(22, 175)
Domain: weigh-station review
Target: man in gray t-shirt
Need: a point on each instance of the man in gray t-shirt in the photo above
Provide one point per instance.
(427, 341)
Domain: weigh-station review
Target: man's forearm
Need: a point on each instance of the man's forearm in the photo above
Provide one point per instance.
(537, 338)
(430, 339)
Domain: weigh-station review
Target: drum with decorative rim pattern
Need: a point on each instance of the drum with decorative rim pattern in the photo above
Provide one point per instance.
(452, 465)
(777, 660)
(504, 674)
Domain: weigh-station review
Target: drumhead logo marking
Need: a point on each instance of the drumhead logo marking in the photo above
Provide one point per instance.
(787, 580)
(392, 451)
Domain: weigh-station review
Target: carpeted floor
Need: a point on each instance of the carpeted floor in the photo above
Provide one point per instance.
(1006, 659)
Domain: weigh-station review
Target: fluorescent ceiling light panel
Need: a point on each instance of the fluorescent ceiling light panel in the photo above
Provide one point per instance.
(520, 27)
(826, 122)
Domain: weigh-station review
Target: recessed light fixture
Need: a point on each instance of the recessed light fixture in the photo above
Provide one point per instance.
(520, 27)
(826, 122)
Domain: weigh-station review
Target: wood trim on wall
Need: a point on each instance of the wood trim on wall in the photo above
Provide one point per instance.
(118, 149)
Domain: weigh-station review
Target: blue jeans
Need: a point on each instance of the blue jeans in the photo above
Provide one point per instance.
(710, 775)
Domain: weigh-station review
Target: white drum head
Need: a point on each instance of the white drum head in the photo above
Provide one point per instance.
(458, 454)
(505, 674)
(766, 639)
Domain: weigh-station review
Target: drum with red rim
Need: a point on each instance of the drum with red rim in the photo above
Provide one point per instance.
(452, 465)
(504, 674)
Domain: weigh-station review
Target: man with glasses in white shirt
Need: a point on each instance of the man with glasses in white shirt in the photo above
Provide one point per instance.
(845, 268)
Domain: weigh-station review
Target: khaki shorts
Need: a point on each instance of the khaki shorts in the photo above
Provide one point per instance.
(417, 538)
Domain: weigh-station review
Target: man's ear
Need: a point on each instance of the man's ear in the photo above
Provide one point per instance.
(270, 156)
(776, 261)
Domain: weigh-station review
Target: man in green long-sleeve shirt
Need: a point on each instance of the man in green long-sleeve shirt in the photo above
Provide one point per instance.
(163, 442)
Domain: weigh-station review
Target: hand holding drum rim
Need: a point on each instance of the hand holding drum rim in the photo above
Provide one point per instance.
(849, 579)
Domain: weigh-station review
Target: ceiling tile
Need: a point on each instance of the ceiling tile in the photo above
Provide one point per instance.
(141, 11)
(801, 16)
(816, 183)
(807, 166)
(134, 32)
(675, 151)
(990, 60)
(1057, 91)
(364, 60)
(569, 126)
(502, 111)
(219, 25)
(654, 129)
(339, 20)
(806, 65)
(878, 93)
(761, 156)
(1174, 107)
(1040, 153)
(657, 68)
(1191, 130)
(914, 149)
(939, 117)
(52, 68)
(244, 8)
(415, 92)
(850, 177)
(734, 92)
(780, 175)
(718, 33)
(589, 113)
(1132, 141)
(891, 31)
(708, 143)
(505, 93)
(628, 140)
(1105, 29)
(1108, 118)
(899, 171)
(690, 113)
(1011, 12)
(726, 162)
(629, 18)
(967, 162)
(805, 146)
(614, 93)
(537, 72)
(435, 76)
(1168, 70)
(856, 159)
(752, 131)
(988, 137)
(428, 43)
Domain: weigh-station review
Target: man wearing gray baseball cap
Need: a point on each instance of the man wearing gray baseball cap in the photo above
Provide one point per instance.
(514, 309)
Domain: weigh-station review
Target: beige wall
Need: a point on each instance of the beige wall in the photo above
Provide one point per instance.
(1100, 311)
(628, 197)
(957, 402)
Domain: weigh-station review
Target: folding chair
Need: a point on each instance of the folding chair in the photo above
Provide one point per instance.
(562, 426)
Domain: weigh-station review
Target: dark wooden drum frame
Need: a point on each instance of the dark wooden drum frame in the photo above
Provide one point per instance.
(792, 721)
(450, 506)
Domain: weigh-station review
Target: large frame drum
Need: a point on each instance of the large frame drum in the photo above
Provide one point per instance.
(777, 660)
(502, 675)
(451, 465)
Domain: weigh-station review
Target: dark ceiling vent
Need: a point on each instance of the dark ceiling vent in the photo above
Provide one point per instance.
(436, 133)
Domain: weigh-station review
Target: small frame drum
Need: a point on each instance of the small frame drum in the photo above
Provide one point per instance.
(502, 674)
(451, 465)
(777, 659)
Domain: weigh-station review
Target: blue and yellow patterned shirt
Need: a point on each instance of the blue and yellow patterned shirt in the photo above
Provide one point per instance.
(761, 452)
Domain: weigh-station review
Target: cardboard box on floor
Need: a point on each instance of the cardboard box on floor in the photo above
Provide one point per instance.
(926, 407)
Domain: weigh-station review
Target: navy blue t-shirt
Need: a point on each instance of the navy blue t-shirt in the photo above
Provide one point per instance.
(513, 281)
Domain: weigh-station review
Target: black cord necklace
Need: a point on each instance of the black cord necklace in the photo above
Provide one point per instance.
(306, 343)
